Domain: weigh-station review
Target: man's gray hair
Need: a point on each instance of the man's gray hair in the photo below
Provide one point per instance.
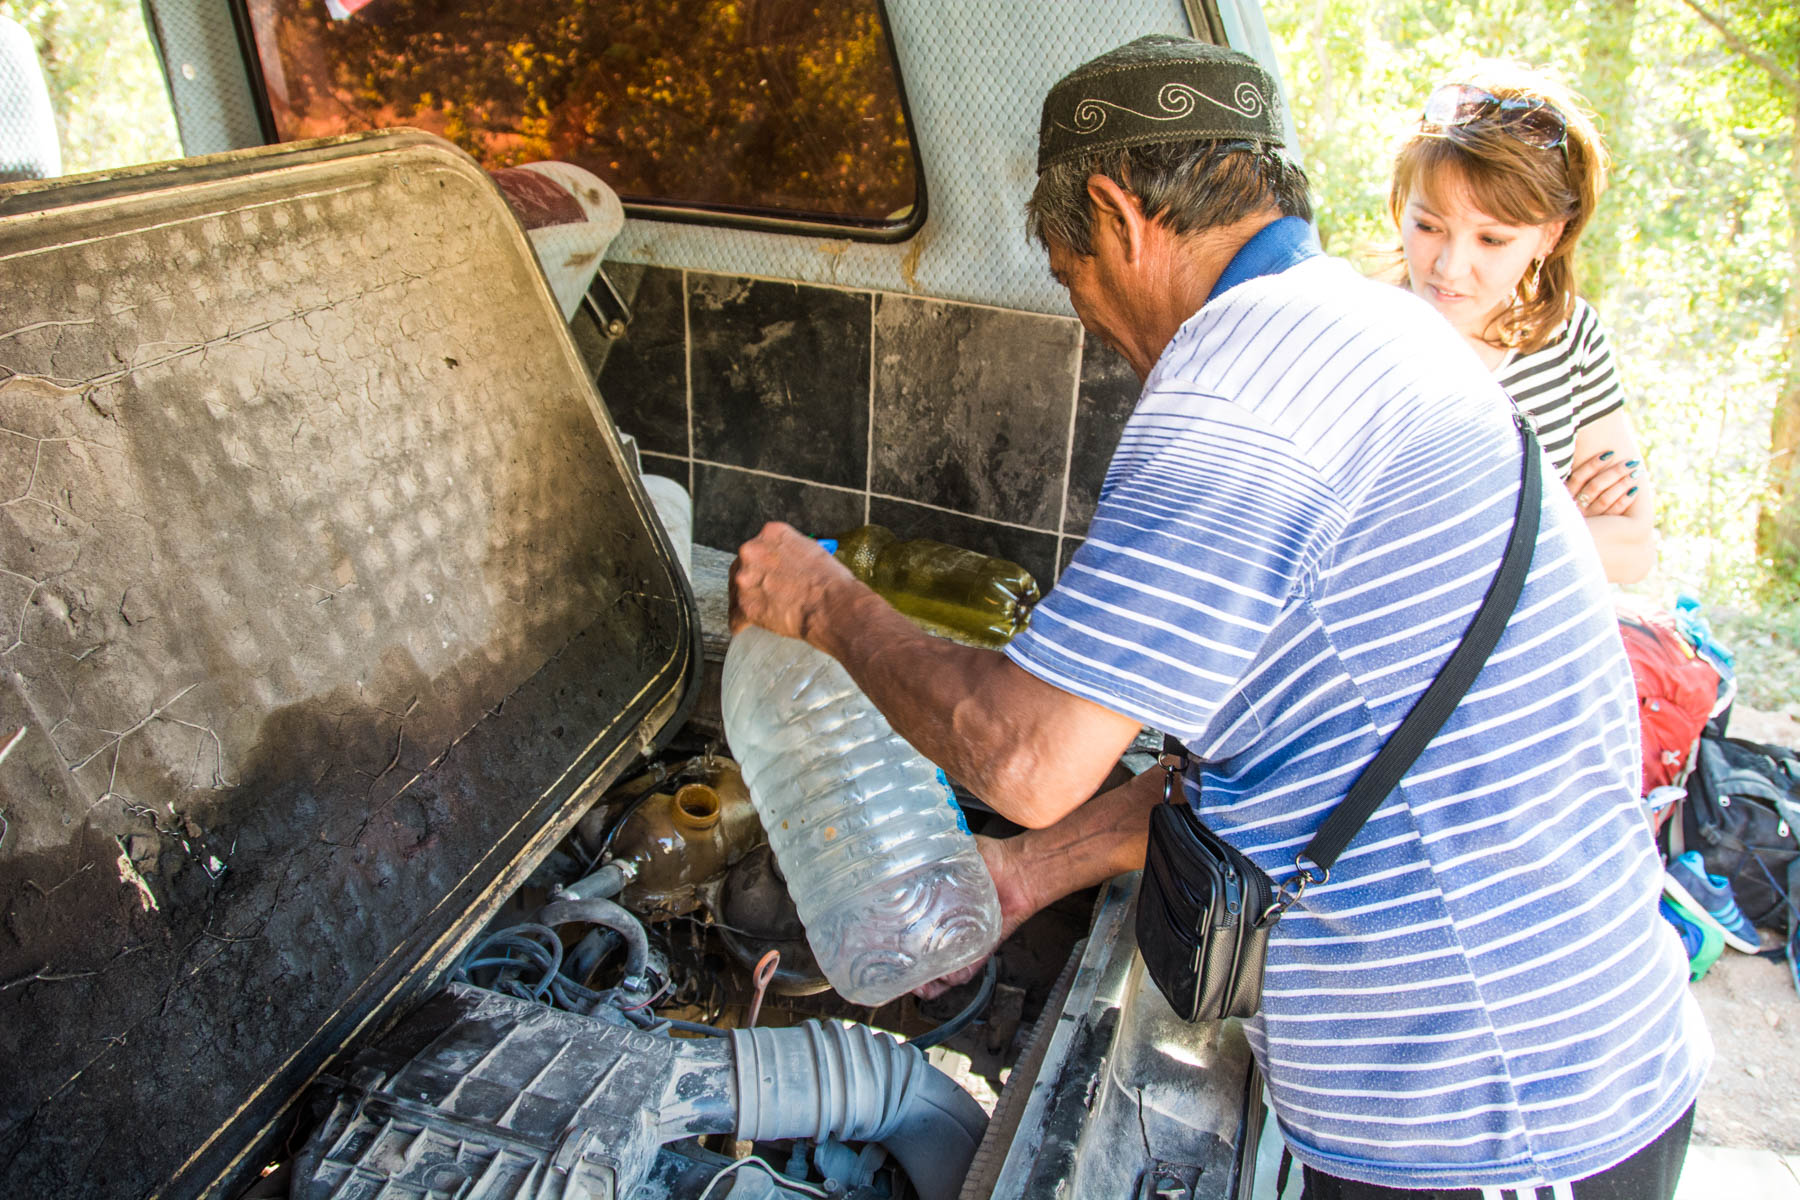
(1190, 184)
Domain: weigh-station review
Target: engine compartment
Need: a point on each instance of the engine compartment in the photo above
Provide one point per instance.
(643, 1016)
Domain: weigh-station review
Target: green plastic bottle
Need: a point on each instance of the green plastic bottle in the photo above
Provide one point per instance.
(946, 590)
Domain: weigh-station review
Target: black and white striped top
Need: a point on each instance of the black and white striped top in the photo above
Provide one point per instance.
(1569, 383)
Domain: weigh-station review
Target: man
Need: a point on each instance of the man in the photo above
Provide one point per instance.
(1302, 516)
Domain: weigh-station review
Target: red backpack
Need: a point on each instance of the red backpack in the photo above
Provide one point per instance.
(1676, 689)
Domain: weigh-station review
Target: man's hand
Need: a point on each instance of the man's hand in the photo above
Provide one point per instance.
(1012, 884)
(1605, 484)
(781, 581)
(1034, 869)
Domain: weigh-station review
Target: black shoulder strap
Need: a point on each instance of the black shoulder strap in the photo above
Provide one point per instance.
(1428, 715)
(1396, 758)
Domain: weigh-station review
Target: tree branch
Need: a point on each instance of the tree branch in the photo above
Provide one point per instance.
(1783, 77)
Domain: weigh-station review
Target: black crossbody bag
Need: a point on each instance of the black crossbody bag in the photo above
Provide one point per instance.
(1205, 911)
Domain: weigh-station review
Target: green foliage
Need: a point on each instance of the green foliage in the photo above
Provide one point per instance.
(111, 102)
(746, 103)
(1697, 213)
(1766, 643)
(749, 103)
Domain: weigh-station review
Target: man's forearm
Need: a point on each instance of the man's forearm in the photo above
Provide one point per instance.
(1031, 750)
(926, 688)
(968, 710)
(1102, 838)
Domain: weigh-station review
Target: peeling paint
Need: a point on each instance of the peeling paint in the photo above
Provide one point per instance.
(834, 254)
(909, 265)
(128, 873)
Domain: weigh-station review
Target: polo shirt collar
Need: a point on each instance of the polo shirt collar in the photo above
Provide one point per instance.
(1276, 247)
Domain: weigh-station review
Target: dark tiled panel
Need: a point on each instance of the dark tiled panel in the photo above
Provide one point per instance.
(781, 377)
(644, 379)
(1034, 551)
(972, 407)
(628, 277)
(731, 506)
(1109, 391)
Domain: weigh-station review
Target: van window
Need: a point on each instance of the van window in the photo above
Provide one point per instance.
(758, 108)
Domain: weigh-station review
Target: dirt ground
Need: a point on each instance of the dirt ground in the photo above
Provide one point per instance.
(1752, 1097)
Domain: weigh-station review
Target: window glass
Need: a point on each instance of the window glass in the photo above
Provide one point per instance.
(108, 104)
(771, 107)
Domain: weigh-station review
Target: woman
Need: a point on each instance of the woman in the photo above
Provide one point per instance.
(1490, 196)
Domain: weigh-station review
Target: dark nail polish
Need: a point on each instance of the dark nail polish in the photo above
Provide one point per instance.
(1606, 456)
(1632, 492)
(1634, 462)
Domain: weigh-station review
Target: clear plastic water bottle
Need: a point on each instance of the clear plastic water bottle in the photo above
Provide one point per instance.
(877, 856)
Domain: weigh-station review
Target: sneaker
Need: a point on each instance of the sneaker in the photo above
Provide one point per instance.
(1793, 963)
(1687, 882)
(1701, 938)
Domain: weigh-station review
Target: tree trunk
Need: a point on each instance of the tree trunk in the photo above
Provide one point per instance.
(1778, 526)
(1606, 82)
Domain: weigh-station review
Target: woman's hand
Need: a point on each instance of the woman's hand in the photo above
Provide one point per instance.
(1605, 484)
(1616, 496)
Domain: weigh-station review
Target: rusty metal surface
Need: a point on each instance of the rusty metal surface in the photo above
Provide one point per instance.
(325, 601)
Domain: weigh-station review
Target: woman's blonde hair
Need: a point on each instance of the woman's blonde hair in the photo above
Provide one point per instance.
(1516, 183)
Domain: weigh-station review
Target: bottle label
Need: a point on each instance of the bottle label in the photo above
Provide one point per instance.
(962, 822)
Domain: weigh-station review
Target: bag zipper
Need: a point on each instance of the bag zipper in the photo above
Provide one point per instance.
(1234, 899)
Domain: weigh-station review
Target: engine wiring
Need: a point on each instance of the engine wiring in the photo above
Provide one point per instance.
(526, 960)
(534, 945)
(530, 961)
(781, 1180)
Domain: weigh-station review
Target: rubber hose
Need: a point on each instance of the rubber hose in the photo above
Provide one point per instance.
(603, 884)
(610, 915)
(962, 1020)
(595, 945)
(849, 1082)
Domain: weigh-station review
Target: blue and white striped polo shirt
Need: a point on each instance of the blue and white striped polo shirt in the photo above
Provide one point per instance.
(1303, 514)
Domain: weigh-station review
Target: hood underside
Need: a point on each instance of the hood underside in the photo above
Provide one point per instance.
(327, 602)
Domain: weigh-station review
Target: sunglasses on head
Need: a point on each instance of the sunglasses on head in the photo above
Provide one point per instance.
(1533, 122)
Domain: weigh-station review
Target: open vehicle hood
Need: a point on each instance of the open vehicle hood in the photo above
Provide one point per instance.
(327, 605)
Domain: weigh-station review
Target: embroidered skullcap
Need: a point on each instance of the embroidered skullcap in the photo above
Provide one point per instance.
(1159, 89)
